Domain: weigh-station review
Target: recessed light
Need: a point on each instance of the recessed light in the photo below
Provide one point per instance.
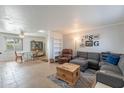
(42, 31)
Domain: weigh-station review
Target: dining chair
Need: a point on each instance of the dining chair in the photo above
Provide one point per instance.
(18, 56)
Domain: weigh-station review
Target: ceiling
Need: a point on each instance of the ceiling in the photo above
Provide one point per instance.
(66, 19)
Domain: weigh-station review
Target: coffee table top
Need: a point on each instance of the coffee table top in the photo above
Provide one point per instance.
(69, 67)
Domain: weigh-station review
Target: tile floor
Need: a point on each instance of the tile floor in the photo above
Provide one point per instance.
(26, 75)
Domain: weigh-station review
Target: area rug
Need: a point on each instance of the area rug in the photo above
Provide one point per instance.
(87, 80)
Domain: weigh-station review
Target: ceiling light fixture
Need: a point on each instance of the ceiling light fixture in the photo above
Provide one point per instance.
(41, 31)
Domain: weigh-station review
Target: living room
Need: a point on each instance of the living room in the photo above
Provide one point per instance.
(61, 46)
(108, 38)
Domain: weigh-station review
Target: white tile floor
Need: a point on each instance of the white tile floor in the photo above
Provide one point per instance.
(26, 75)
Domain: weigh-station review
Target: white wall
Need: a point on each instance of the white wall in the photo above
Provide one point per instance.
(2, 43)
(111, 39)
(9, 55)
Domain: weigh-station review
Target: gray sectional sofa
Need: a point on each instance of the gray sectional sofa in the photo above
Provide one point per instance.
(112, 75)
(109, 74)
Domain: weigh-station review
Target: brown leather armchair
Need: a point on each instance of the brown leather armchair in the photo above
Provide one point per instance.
(66, 56)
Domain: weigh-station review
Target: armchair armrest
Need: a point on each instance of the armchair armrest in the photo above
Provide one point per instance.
(60, 56)
(111, 79)
(70, 56)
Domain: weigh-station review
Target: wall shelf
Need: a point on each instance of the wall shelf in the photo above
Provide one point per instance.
(57, 45)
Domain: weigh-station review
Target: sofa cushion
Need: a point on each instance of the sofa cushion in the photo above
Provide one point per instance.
(104, 63)
(103, 56)
(94, 64)
(81, 58)
(82, 54)
(113, 59)
(111, 72)
(121, 64)
(92, 61)
(94, 56)
(110, 78)
(116, 54)
(80, 61)
(111, 68)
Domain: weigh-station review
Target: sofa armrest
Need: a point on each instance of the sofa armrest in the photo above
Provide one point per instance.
(73, 57)
(110, 79)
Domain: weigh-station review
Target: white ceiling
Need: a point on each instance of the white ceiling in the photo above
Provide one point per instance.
(66, 19)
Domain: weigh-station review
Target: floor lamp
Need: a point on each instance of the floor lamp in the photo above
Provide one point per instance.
(76, 40)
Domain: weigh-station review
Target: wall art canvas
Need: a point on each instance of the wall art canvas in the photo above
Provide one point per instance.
(90, 40)
(89, 43)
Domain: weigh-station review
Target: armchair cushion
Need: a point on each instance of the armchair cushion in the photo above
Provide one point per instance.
(66, 55)
(69, 56)
(67, 51)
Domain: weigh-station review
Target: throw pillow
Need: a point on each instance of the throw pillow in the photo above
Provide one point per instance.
(113, 59)
(104, 56)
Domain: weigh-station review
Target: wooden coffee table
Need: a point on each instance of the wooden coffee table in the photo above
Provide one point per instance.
(68, 72)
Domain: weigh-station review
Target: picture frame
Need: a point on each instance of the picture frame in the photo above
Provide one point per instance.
(88, 43)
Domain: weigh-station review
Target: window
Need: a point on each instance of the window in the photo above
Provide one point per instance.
(13, 43)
